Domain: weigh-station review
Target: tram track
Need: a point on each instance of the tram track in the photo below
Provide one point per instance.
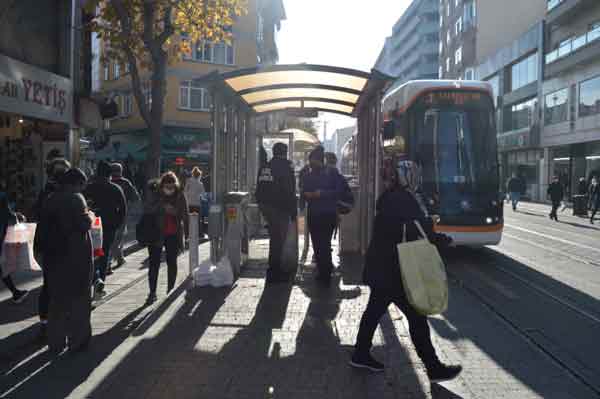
(536, 336)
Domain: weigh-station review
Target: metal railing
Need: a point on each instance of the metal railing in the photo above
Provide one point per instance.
(573, 45)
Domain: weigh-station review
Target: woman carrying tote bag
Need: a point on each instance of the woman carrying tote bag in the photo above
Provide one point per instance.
(397, 210)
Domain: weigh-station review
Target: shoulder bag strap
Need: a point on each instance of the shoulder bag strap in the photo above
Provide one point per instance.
(421, 231)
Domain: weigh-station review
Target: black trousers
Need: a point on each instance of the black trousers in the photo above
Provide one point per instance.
(108, 237)
(555, 206)
(44, 298)
(69, 319)
(595, 208)
(321, 227)
(278, 223)
(155, 252)
(418, 326)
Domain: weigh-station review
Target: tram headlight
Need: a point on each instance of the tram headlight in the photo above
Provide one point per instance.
(464, 204)
(494, 203)
(489, 220)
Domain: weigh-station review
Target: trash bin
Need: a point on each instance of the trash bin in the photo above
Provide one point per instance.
(236, 229)
(580, 205)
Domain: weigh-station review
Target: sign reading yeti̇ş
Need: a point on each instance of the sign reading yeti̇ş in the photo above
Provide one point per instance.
(30, 91)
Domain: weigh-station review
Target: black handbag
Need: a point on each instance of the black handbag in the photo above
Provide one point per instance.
(147, 231)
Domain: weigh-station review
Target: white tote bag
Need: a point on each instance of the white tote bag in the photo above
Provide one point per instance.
(423, 274)
(17, 249)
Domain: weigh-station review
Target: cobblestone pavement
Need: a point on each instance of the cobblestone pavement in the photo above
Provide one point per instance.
(294, 341)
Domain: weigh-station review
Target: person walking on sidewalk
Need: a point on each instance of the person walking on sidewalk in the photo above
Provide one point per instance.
(515, 188)
(107, 200)
(194, 192)
(322, 191)
(9, 218)
(594, 198)
(556, 194)
(276, 197)
(68, 258)
(166, 202)
(397, 208)
(131, 196)
(55, 169)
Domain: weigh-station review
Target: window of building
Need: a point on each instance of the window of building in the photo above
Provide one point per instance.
(469, 74)
(458, 26)
(193, 96)
(448, 64)
(441, 49)
(148, 95)
(106, 72)
(440, 72)
(470, 13)
(448, 37)
(127, 68)
(520, 115)
(117, 70)
(260, 29)
(556, 107)
(524, 72)
(494, 81)
(127, 104)
(589, 97)
(441, 20)
(448, 8)
(456, 3)
(458, 56)
(219, 53)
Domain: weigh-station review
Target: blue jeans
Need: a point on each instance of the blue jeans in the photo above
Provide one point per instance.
(515, 198)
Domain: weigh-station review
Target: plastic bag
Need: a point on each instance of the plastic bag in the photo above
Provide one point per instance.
(423, 275)
(289, 255)
(222, 274)
(17, 249)
(96, 233)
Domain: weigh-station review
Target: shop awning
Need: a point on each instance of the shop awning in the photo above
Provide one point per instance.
(302, 86)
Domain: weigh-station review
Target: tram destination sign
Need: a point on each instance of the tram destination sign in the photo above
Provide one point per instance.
(453, 98)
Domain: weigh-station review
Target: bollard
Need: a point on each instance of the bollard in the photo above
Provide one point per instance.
(194, 243)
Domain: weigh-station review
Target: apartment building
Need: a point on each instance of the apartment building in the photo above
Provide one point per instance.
(412, 50)
(187, 104)
(570, 136)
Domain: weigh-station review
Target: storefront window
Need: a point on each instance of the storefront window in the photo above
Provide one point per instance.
(520, 116)
(589, 97)
(556, 107)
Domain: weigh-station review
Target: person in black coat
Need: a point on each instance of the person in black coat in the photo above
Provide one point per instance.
(594, 198)
(107, 200)
(556, 194)
(397, 209)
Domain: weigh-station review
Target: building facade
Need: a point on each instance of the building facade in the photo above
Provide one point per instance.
(412, 50)
(44, 90)
(187, 115)
(571, 91)
(471, 31)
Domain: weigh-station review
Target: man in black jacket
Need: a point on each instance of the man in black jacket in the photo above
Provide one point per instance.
(556, 193)
(276, 197)
(107, 200)
(132, 196)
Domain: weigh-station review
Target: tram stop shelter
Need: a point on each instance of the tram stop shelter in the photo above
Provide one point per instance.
(243, 102)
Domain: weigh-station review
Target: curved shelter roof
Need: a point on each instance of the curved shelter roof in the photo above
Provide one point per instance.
(302, 86)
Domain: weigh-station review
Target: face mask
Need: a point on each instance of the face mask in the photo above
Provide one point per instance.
(168, 191)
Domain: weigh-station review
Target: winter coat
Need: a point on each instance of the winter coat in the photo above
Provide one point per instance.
(395, 209)
(329, 185)
(280, 191)
(131, 193)
(194, 190)
(594, 193)
(515, 185)
(107, 200)
(556, 192)
(68, 266)
(156, 204)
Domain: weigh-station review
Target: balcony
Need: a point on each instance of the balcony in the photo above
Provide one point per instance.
(560, 11)
(572, 52)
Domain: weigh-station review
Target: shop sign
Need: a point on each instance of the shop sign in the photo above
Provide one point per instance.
(30, 91)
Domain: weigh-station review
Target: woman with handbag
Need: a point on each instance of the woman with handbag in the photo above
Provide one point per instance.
(164, 224)
(8, 218)
(397, 211)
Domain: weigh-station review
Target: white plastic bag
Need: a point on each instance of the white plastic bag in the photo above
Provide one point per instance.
(17, 249)
(222, 274)
(423, 275)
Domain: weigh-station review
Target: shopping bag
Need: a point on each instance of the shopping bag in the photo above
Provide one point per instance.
(96, 234)
(289, 255)
(17, 249)
(423, 275)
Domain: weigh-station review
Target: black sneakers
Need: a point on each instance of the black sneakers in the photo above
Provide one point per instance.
(443, 372)
(366, 362)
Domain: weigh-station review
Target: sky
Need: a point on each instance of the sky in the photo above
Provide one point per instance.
(345, 33)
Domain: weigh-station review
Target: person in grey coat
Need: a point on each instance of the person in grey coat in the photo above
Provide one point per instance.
(68, 259)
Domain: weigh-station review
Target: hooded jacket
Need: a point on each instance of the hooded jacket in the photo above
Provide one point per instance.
(329, 185)
(276, 186)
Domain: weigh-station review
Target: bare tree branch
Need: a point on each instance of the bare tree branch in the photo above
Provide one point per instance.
(168, 27)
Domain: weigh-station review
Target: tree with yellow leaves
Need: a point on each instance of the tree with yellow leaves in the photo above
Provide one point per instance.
(145, 36)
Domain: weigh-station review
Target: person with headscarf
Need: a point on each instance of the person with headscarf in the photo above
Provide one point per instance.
(322, 191)
(8, 218)
(69, 265)
(397, 210)
(276, 197)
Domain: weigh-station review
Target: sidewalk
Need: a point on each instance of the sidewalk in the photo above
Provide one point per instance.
(247, 341)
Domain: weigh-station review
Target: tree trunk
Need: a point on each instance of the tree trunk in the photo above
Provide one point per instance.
(156, 115)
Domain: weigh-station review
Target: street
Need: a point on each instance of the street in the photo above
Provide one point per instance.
(523, 320)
